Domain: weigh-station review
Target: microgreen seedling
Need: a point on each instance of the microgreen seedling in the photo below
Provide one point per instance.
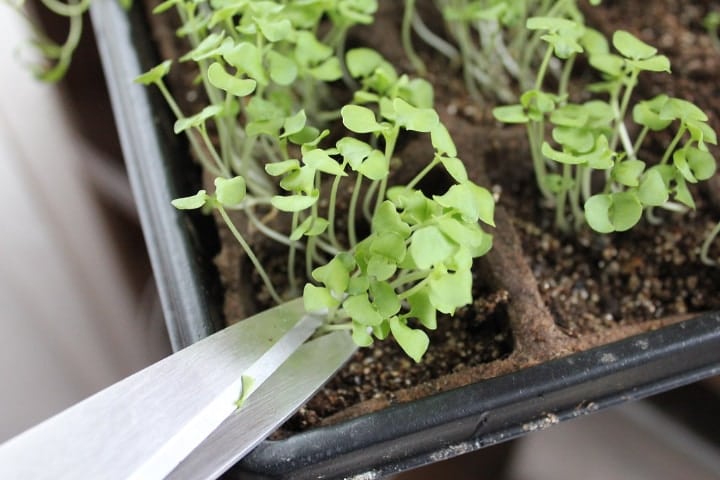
(259, 62)
(593, 136)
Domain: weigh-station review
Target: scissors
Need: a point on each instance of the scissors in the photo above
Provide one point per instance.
(193, 414)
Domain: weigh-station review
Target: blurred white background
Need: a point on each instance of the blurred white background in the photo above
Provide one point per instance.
(69, 318)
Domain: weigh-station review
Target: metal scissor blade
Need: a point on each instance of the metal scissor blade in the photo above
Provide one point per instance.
(273, 403)
(144, 425)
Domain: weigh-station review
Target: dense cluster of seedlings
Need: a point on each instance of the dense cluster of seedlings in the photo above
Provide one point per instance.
(263, 64)
(267, 67)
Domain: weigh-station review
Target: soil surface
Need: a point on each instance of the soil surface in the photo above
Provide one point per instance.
(539, 294)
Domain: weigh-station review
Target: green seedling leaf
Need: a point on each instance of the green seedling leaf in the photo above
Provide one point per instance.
(219, 78)
(510, 114)
(275, 30)
(594, 42)
(658, 63)
(551, 24)
(538, 103)
(702, 133)
(359, 308)
(653, 191)
(385, 300)
(277, 169)
(294, 124)
(388, 244)
(206, 48)
(362, 62)
(198, 119)
(155, 74)
(318, 159)
(597, 213)
(310, 227)
(294, 203)
(628, 172)
(557, 183)
(247, 58)
(626, 211)
(230, 191)
(601, 157)
(335, 274)
(578, 140)
(608, 63)
(429, 247)
(701, 163)
(375, 167)
(419, 93)
(360, 335)
(677, 108)
(359, 119)
(647, 113)
(300, 180)
(381, 331)
(308, 136)
(449, 291)
(381, 268)
(414, 119)
(413, 342)
(682, 193)
(615, 212)
(571, 115)
(455, 167)
(328, 71)
(561, 157)
(472, 201)
(631, 47)
(564, 46)
(318, 299)
(310, 52)
(354, 151)
(442, 141)
(387, 219)
(468, 234)
(422, 309)
(680, 162)
(358, 285)
(192, 202)
(283, 70)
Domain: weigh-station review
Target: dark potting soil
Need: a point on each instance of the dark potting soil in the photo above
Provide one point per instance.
(539, 294)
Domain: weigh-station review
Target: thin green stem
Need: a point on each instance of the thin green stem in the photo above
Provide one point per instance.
(671, 148)
(331, 209)
(422, 173)
(292, 278)
(213, 152)
(352, 235)
(705, 249)
(415, 288)
(562, 196)
(196, 146)
(251, 255)
(407, 43)
(411, 277)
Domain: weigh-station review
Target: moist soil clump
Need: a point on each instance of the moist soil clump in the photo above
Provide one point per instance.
(538, 294)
